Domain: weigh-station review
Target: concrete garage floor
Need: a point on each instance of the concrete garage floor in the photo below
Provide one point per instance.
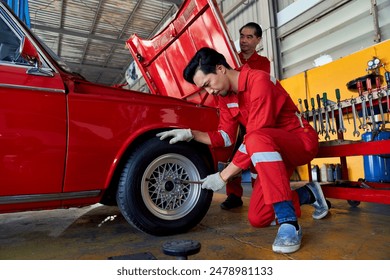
(100, 232)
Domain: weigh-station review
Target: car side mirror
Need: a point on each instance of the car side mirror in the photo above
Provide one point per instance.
(30, 54)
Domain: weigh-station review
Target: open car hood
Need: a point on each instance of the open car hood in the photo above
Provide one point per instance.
(162, 59)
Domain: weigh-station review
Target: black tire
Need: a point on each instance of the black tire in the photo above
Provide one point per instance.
(329, 204)
(150, 195)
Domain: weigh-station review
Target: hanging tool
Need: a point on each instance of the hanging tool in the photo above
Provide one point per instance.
(380, 95)
(300, 105)
(359, 85)
(325, 100)
(387, 78)
(299, 115)
(357, 116)
(341, 119)
(372, 113)
(313, 111)
(354, 116)
(330, 106)
(347, 109)
(307, 109)
(333, 130)
(321, 127)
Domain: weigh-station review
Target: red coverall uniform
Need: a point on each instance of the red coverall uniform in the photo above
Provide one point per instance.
(255, 61)
(275, 142)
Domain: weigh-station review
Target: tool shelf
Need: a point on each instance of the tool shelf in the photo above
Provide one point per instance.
(353, 191)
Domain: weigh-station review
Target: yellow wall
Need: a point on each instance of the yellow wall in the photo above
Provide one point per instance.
(327, 78)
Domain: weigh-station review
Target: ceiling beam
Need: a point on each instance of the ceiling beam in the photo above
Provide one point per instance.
(129, 19)
(172, 10)
(61, 20)
(94, 67)
(78, 34)
(92, 29)
(176, 2)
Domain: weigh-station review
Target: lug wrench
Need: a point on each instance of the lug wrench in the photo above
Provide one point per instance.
(324, 100)
(190, 182)
(341, 119)
(179, 181)
(355, 131)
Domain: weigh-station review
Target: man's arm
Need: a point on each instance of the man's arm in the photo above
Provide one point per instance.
(230, 171)
(202, 137)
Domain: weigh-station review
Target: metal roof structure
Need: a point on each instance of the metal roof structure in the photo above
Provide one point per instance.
(90, 35)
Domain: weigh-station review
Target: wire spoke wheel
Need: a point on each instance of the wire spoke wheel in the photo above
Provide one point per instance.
(154, 193)
(164, 190)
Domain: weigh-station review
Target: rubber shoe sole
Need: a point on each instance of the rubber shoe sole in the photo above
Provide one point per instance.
(288, 239)
(320, 205)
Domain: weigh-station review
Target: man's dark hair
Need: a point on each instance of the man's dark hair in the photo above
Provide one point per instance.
(206, 60)
(255, 26)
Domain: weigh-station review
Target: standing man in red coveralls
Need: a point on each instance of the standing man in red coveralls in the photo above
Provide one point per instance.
(250, 36)
(276, 142)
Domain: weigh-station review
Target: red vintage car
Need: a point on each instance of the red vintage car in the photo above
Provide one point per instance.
(66, 142)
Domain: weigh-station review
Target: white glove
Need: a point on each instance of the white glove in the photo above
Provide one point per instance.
(177, 134)
(213, 182)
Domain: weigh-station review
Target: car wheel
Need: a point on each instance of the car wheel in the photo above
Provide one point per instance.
(153, 194)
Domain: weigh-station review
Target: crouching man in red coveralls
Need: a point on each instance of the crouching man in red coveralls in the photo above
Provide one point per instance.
(250, 36)
(276, 142)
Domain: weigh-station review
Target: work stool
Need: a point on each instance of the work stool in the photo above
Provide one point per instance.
(181, 249)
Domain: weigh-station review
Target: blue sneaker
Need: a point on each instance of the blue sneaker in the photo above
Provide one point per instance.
(321, 208)
(288, 239)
